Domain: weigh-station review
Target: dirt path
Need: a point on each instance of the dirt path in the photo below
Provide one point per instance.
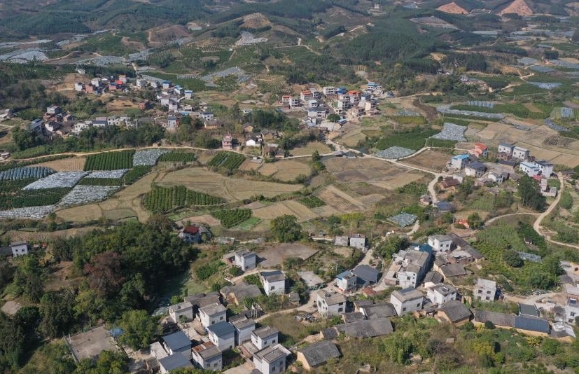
(509, 215)
(537, 224)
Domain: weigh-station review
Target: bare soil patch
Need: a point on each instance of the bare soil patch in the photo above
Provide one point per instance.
(66, 164)
(340, 200)
(301, 212)
(311, 148)
(285, 170)
(431, 160)
(276, 255)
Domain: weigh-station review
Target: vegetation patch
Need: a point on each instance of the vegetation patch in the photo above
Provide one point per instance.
(228, 160)
(101, 182)
(312, 201)
(162, 199)
(178, 157)
(136, 173)
(29, 198)
(232, 217)
(412, 139)
(110, 161)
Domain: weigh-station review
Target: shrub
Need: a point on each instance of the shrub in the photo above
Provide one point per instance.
(489, 325)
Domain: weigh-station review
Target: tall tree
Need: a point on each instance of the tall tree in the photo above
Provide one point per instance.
(104, 273)
(139, 329)
(29, 278)
(530, 193)
(286, 228)
(56, 310)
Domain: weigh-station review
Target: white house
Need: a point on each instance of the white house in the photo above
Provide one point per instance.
(530, 168)
(346, 281)
(15, 249)
(95, 82)
(273, 282)
(440, 243)
(496, 177)
(485, 290)
(408, 268)
(212, 314)
(459, 161)
(313, 103)
(271, 360)
(358, 241)
(245, 260)
(208, 356)
(264, 337)
(78, 87)
(475, 169)
(330, 91)
(243, 328)
(177, 342)
(80, 126)
(253, 142)
(441, 293)
(181, 311)
(407, 300)
(545, 167)
(207, 116)
(521, 153)
(222, 334)
(506, 148)
(571, 303)
(173, 362)
(188, 94)
(330, 303)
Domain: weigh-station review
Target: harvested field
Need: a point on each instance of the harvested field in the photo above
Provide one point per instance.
(352, 138)
(206, 219)
(276, 255)
(285, 207)
(430, 160)
(231, 189)
(567, 160)
(285, 170)
(249, 165)
(42, 236)
(66, 164)
(310, 148)
(400, 180)
(340, 200)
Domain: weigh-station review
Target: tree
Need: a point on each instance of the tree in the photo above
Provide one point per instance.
(489, 325)
(56, 310)
(139, 329)
(530, 193)
(104, 273)
(11, 342)
(474, 221)
(286, 228)
(513, 259)
(316, 156)
(29, 278)
(334, 117)
(107, 363)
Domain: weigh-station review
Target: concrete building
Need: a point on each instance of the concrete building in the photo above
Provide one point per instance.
(346, 281)
(475, 169)
(271, 360)
(273, 282)
(208, 356)
(245, 260)
(330, 303)
(408, 268)
(441, 293)
(407, 300)
(506, 148)
(521, 153)
(173, 362)
(178, 342)
(460, 161)
(222, 334)
(317, 354)
(212, 314)
(440, 243)
(485, 290)
(264, 337)
(530, 168)
(358, 241)
(571, 303)
(181, 311)
(243, 328)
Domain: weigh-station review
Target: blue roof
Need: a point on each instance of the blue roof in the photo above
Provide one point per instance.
(424, 248)
(175, 361)
(344, 274)
(444, 205)
(221, 329)
(460, 157)
(177, 340)
(532, 324)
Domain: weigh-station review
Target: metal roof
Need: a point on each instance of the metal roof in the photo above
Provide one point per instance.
(532, 324)
(367, 273)
(177, 340)
(175, 361)
(221, 329)
(319, 353)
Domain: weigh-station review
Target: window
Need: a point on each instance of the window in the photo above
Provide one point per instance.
(272, 288)
(404, 309)
(418, 305)
(487, 298)
(221, 318)
(340, 310)
(572, 314)
(479, 291)
(212, 322)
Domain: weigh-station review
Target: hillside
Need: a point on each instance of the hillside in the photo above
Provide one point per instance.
(519, 7)
(452, 8)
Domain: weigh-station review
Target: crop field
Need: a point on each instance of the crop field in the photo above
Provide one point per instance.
(162, 199)
(228, 160)
(232, 217)
(110, 161)
(311, 148)
(291, 207)
(87, 194)
(176, 156)
(285, 170)
(430, 160)
(148, 156)
(249, 165)
(101, 182)
(136, 173)
(312, 201)
(340, 200)
(32, 172)
(63, 179)
(66, 164)
(32, 198)
(230, 189)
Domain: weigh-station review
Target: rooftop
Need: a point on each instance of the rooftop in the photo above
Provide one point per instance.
(318, 353)
(177, 340)
(213, 309)
(221, 329)
(265, 331)
(532, 324)
(407, 294)
(273, 276)
(272, 353)
(440, 238)
(455, 310)
(367, 328)
(332, 298)
(242, 323)
(207, 350)
(498, 319)
(379, 310)
(367, 273)
(175, 361)
(453, 270)
(528, 310)
(486, 283)
(444, 289)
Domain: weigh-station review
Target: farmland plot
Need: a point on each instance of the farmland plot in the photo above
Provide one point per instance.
(107, 174)
(86, 194)
(148, 156)
(66, 164)
(36, 212)
(110, 161)
(64, 179)
(34, 172)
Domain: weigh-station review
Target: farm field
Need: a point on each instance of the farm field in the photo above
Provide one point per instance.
(110, 160)
(42, 236)
(430, 160)
(276, 255)
(285, 207)
(285, 170)
(340, 200)
(311, 148)
(124, 204)
(66, 164)
(230, 189)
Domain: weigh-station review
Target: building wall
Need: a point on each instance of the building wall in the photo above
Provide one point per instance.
(406, 307)
(264, 343)
(211, 320)
(176, 314)
(223, 342)
(407, 279)
(274, 287)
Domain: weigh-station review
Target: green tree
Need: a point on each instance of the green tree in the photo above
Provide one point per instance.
(139, 329)
(56, 310)
(333, 117)
(530, 193)
(107, 363)
(513, 259)
(29, 278)
(286, 228)
(474, 221)
(316, 156)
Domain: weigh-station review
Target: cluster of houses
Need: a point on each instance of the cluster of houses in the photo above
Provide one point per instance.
(508, 157)
(98, 86)
(15, 249)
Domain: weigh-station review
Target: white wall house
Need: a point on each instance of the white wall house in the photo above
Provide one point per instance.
(440, 243)
(330, 303)
(212, 314)
(222, 334)
(441, 293)
(264, 337)
(407, 301)
(271, 360)
(273, 282)
(208, 356)
(181, 311)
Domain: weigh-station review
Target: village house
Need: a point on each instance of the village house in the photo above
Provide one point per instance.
(208, 356)
(521, 153)
(79, 87)
(506, 148)
(5, 114)
(172, 121)
(375, 311)
(243, 328)
(440, 243)
(408, 268)
(239, 292)
(496, 177)
(271, 360)
(346, 281)
(35, 126)
(201, 300)
(485, 290)
(193, 234)
(454, 312)
(181, 312)
(264, 337)
(245, 260)
(253, 141)
(294, 102)
(407, 300)
(212, 314)
(222, 334)
(177, 342)
(475, 169)
(571, 303)
(330, 91)
(366, 275)
(459, 161)
(207, 116)
(317, 354)
(227, 142)
(358, 241)
(525, 324)
(330, 303)
(529, 310)
(441, 293)
(450, 182)
(273, 282)
(174, 362)
(15, 249)
(479, 150)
